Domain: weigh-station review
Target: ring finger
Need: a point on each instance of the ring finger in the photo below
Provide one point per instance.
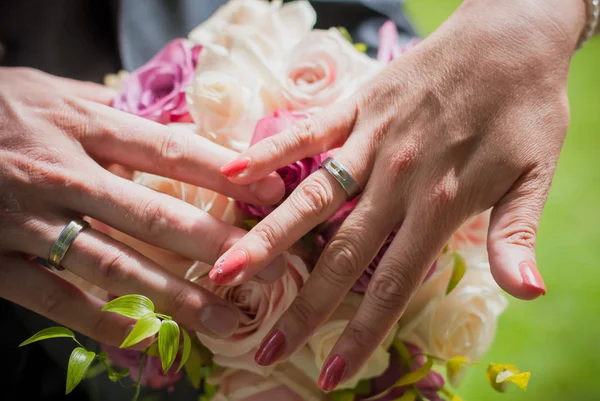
(121, 270)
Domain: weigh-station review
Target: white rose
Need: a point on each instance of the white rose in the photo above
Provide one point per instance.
(462, 323)
(260, 305)
(272, 27)
(310, 358)
(286, 383)
(226, 98)
(322, 69)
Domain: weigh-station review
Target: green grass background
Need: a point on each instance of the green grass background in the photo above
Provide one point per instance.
(557, 337)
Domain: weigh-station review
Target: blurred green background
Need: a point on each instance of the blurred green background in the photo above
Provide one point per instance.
(557, 337)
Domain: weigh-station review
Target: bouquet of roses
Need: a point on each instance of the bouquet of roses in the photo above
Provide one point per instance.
(252, 70)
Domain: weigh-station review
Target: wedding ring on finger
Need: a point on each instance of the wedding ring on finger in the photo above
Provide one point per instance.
(342, 176)
(64, 242)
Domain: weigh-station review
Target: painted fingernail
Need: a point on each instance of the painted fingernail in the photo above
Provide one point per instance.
(332, 373)
(219, 320)
(235, 167)
(271, 349)
(532, 279)
(229, 267)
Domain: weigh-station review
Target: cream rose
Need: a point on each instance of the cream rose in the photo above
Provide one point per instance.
(462, 323)
(215, 204)
(286, 383)
(260, 306)
(322, 69)
(310, 358)
(272, 27)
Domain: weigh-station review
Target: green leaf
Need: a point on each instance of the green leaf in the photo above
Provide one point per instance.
(410, 395)
(249, 224)
(456, 368)
(415, 376)
(50, 332)
(153, 350)
(168, 343)
(95, 370)
(147, 326)
(194, 368)
(79, 362)
(342, 395)
(115, 376)
(133, 306)
(345, 34)
(492, 372)
(458, 271)
(363, 387)
(451, 396)
(186, 350)
(403, 351)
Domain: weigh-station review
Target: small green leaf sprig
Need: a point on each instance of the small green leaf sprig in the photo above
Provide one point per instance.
(196, 360)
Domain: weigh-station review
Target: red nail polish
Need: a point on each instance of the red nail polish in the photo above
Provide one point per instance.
(229, 267)
(332, 373)
(235, 167)
(532, 279)
(271, 349)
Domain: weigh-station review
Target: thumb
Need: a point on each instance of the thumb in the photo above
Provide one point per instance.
(299, 138)
(512, 236)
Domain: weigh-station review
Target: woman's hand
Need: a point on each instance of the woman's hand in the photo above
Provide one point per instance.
(54, 136)
(473, 118)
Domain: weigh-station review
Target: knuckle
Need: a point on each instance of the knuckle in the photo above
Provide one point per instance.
(342, 262)
(180, 298)
(172, 149)
(443, 194)
(403, 160)
(361, 334)
(43, 168)
(54, 301)
(302, 311)
(155, 218)
(314, 197)
(268, 236)
(520, 231)
(305, 132)
(114, 267)
(389, 292)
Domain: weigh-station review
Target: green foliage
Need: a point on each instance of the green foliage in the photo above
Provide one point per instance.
(147, 326)
(133, 306)
(342, 395)
(79, 362)
(499, 375)
(415, 376)
(458, 272)
(50, 332)
(186, 349)
(456, 368)
(168, 343)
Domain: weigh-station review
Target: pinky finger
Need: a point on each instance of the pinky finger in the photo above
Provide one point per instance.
(39, 290)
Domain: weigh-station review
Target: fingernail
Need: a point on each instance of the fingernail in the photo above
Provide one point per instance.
(219, 320)
(332, 373)
(274, 270)
(271, 349)
(229, 267)
(532, 279)
(269, 190)
(235, 167)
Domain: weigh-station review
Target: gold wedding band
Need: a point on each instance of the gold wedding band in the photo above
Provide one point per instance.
(64, 241)
(342, 176)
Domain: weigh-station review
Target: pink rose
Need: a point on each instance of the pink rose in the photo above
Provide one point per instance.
(472, 233)
(389, 48)
(260, 306)
(292, 174)
(152, 374)
(156, 90)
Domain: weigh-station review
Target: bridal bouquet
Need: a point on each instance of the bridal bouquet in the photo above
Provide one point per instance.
(252, 70)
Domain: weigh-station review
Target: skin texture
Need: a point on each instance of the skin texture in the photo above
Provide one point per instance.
(471, 119)
(55, 136)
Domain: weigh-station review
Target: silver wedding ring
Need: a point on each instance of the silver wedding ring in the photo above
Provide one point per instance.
(64, 241)
(342, 176)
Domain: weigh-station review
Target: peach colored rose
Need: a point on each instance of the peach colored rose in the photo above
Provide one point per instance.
(213, 203)
(472, 232)
(310, 359)
(322, 69)
(286, 383)
(462, 322)
(260, 305)
(272, 27)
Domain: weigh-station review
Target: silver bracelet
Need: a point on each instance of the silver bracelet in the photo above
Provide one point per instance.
(593, 15)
